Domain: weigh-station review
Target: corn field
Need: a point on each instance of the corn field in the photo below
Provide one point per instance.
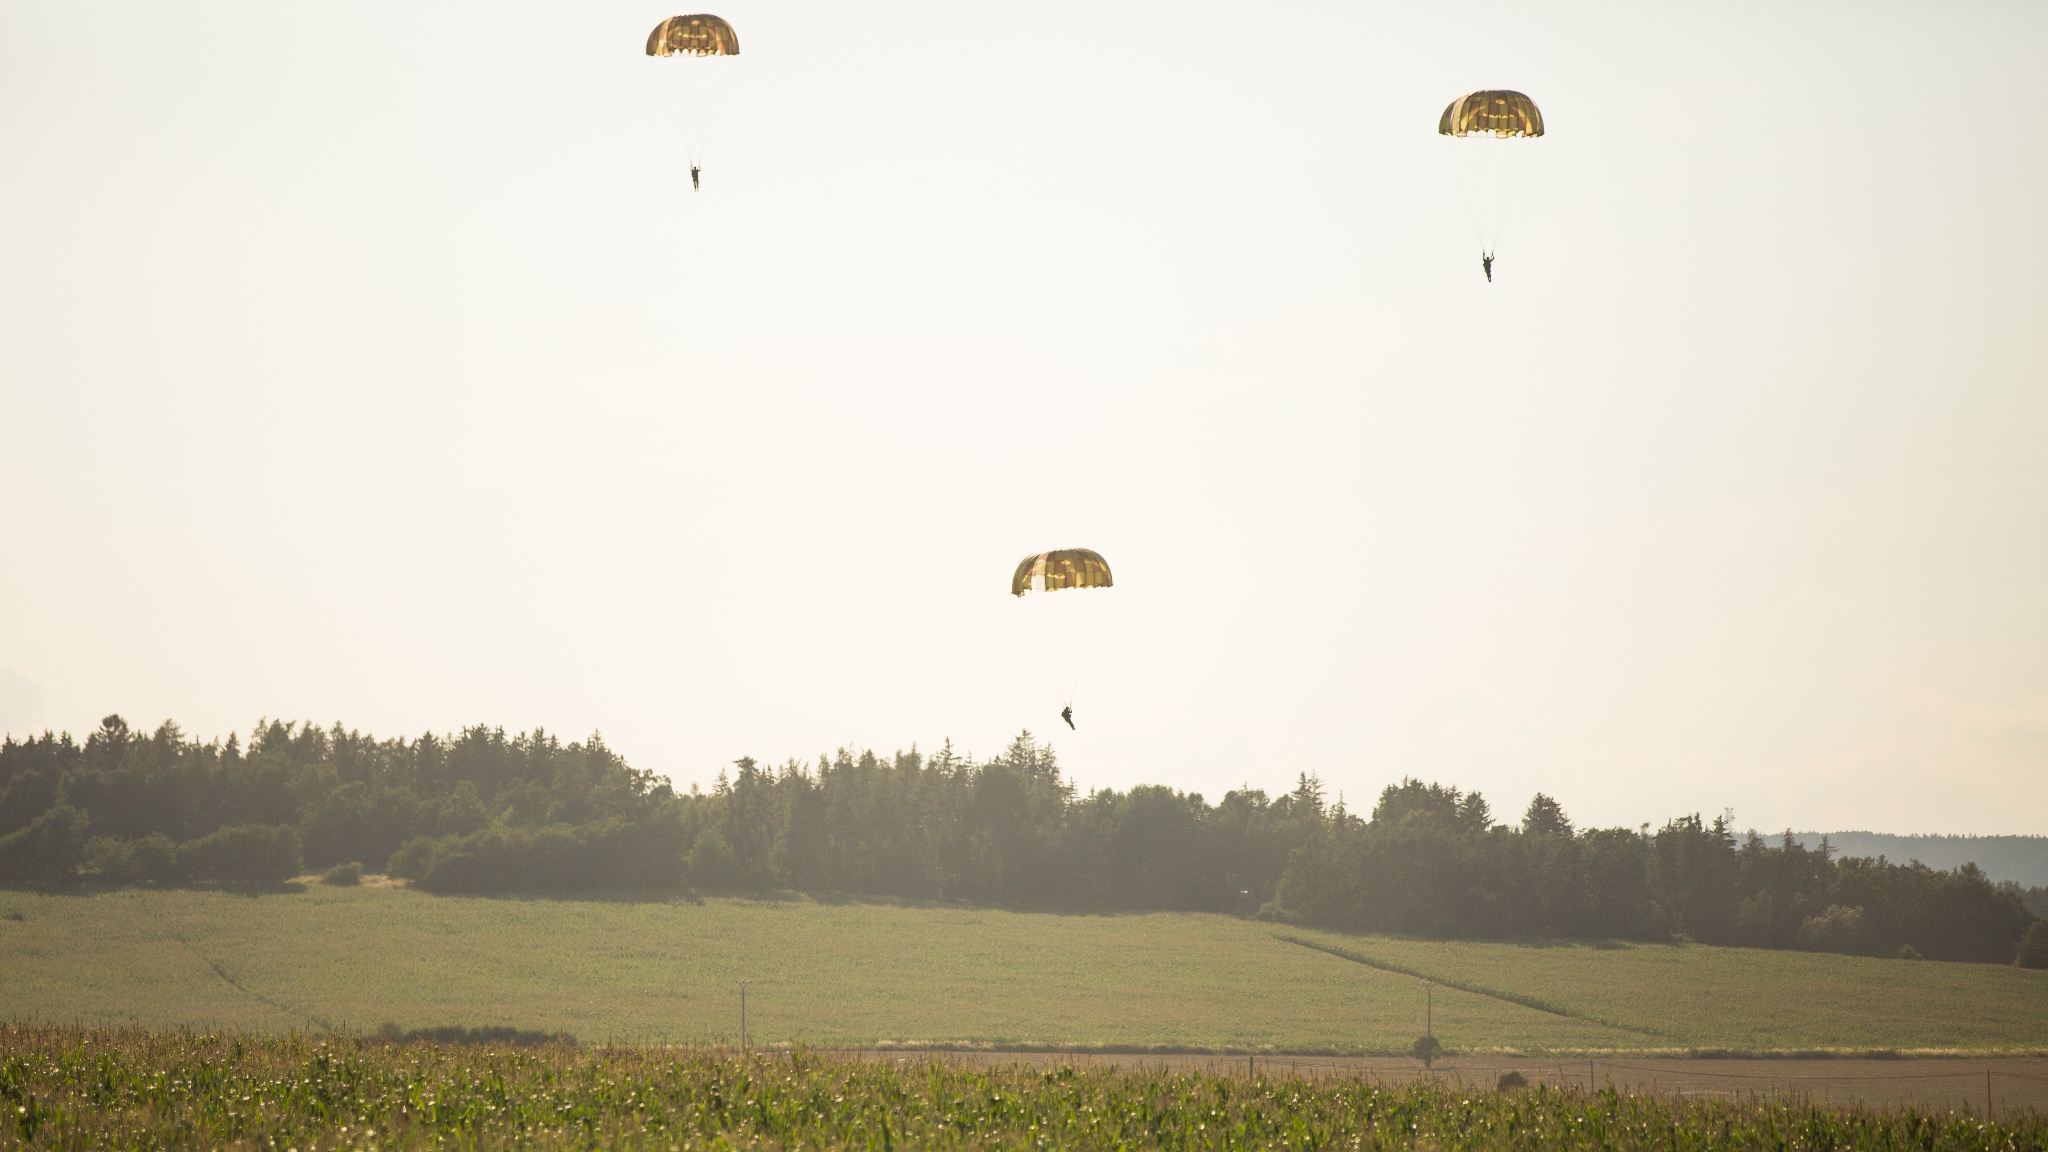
(76, 1089)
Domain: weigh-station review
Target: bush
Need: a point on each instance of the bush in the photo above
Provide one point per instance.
(50, 848)
(150, 860)
(712, 861)
(413, 859)
(156, 859)
(1426, 1049)
(1511, 1080)
(457, 1034)
(1839, 929)
(1907, 952)
(560, 857)
(110, 860)
(2034, 946)
(344, 875)
(261, 853)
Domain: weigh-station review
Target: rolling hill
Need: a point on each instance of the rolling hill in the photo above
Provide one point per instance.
(854, 973)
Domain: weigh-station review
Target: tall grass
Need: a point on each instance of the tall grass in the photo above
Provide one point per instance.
(71, 1089)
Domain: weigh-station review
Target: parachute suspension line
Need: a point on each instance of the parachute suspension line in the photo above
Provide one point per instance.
(1080, 651)
(699, 102)
(1064, 587)
(1045, 661)
(1474, 189)
(1488, 129)
(1487, 180)
(701, 41)
(1507, 188)
(1077, 652)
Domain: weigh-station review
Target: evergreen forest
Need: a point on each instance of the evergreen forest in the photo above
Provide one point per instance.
(484, 811)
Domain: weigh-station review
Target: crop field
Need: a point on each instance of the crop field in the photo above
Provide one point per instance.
(1737, 999)
(848, 974)
(67, 1089)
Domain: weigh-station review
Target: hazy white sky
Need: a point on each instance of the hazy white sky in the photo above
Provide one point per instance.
(374, 362)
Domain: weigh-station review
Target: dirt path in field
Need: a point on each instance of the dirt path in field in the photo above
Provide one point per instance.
(2016, 1083)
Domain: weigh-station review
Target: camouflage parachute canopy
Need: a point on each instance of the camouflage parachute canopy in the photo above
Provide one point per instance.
(1494, 112)
(699, 35)
(1058, 569)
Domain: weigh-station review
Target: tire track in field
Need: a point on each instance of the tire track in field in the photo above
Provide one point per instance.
(245, 990)
(1515, 998)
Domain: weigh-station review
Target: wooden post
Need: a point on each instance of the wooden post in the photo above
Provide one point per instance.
(743, 1012)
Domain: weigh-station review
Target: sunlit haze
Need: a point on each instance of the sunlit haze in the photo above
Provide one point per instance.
(376, 363)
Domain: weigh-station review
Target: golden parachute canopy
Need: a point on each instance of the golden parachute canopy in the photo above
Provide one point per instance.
(1060, 569)
(1494, 112)
(699, 35)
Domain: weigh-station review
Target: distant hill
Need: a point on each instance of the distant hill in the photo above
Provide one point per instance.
(2021, 859)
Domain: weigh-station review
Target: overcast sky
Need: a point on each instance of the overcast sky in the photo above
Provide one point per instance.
(375, 363)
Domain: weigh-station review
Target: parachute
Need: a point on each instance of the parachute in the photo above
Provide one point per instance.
(1064, 627)
(705, 36)
(699, 35)
(1494, 112)
(1060, 569)
(1489, 164)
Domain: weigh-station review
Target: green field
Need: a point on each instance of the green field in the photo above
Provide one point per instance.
(862, 973)
(70, 1089)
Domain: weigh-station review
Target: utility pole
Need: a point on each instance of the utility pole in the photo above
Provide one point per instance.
(743, 1010)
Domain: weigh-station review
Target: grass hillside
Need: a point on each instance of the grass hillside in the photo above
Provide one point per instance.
(857, 973)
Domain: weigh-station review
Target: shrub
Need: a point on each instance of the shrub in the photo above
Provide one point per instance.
(466, 871)
(1511, 1080)
(1908, 952)
(712, 861)
(50, 848)
(110, 859)
(155, 858)
(414, 858)
(457, 1034)
(558, 857)
(150, 860)
(2034, 946)
(263, 853)
(344, 875)
(1426, 1049)
(1839, 929)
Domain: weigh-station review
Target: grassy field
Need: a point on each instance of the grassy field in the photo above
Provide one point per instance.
(854, 973)
(67, 1089)
(1739, 999)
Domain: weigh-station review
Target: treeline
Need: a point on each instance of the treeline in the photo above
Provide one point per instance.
(1432, 861)
(483, 811)
(128, 807)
